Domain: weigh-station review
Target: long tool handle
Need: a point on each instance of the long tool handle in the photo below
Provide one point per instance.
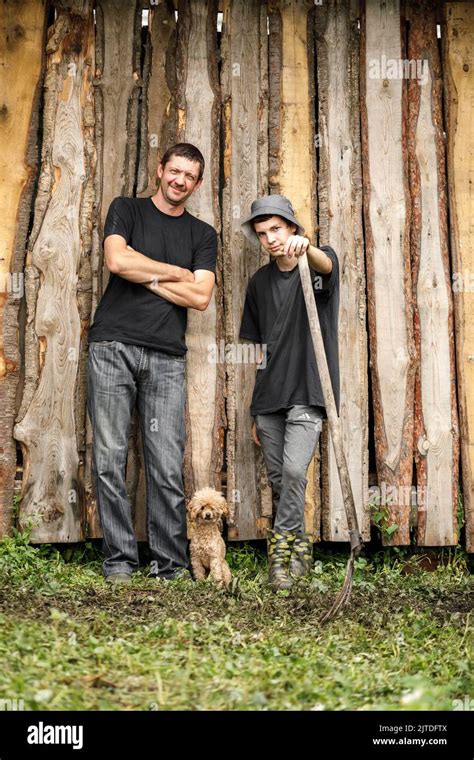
(330, 404)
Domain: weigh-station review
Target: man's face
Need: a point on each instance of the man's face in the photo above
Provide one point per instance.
(178, 179)
(273, 234)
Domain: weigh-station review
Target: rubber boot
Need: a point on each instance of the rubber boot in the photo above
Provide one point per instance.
(301, 559)
(279, 549)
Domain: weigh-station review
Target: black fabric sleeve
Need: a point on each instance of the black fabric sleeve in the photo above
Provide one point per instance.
(250, 327)
(324, 283)
(205, 255)
(119, 219)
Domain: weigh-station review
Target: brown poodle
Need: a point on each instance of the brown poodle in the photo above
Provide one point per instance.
(206, 510)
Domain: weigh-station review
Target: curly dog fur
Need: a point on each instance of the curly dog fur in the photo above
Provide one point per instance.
(206, 510)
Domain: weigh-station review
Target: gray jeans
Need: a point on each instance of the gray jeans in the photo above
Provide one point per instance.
(289, 438)
(118, 376)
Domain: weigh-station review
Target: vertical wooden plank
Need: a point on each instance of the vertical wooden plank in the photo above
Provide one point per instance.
(117, 89)
(295, 174)
(340, 225)
(458, 65)
(387, 224)
(21, 72)
(52, 492)
(292, 165)
(436, 426)
(199, 123)
(244, 107)
(158, 114)
(118, 84)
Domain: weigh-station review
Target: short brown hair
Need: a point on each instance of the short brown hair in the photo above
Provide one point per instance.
(185, 150)
(267, 217)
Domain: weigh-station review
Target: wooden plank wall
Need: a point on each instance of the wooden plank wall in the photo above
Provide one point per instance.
(244, 86)
(458, 66)
(436, 439)
(286, 98)
(199, 123)
(21, 75)
(387, 237)
(340, 224)
(53, 500)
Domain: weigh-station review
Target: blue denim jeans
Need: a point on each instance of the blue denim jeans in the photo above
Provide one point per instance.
(120, 375)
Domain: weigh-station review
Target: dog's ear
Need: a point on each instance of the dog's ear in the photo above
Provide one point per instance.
(193, 508)
(225, 509)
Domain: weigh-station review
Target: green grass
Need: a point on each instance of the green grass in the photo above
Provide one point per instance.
(69, 642)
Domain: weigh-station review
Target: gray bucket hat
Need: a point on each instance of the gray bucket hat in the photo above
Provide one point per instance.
(277, 205)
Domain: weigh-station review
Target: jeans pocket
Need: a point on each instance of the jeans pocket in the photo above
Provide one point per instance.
(102, 342)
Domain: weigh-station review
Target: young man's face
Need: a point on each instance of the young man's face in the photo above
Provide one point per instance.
(273, 234)
(178, 179)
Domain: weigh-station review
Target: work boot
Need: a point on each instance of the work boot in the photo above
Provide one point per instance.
(301, 559)
(279, 548)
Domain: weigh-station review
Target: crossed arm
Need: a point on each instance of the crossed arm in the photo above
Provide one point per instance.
(175, 284)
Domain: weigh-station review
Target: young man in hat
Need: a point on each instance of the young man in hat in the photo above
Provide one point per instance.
(288, 403)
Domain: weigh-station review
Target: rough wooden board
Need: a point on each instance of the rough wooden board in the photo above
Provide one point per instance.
(117, 87)
(387, 223)
(245, 147)
(296, 122)
(458, 66)
(158, 115)
(21, 72)
(52, 491)
(275, 53)
(198, 123)
(291, 141)
(436, 440)
(340, 225)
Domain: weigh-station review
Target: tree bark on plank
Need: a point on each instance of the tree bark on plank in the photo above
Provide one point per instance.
(52, 491)
(458, 67)
(387, 226)
(199, 123)
(436, 439)
(340, 225)
(245, 125)
(21, 75)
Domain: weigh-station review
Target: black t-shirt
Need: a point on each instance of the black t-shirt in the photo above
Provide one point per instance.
(128, 311)
(275, 315)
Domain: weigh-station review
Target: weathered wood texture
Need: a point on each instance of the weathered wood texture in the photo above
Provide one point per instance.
(458, 67)
(387, 226)
(115, 96)
(117, 90)
(53, 501)
(340, 224)
(158, 121)
(292, 165)
(21, 71)
(436, 440)
(245, 121)
(199, 123)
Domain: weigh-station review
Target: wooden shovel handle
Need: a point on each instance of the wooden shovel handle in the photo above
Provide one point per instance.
(330, 404)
